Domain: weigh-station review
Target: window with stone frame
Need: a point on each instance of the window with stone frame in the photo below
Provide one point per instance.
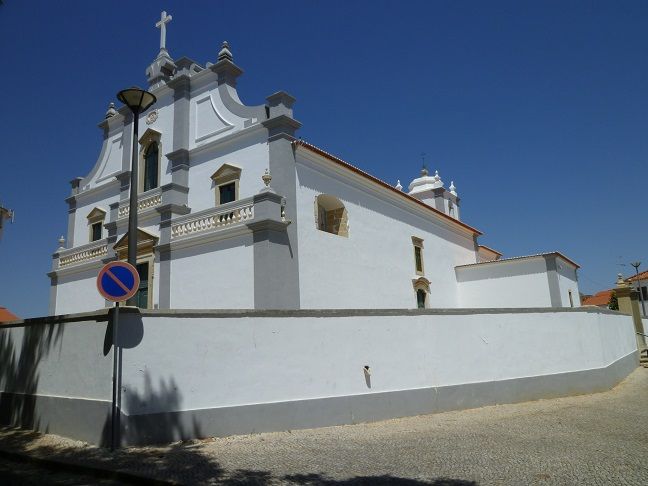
(421, 291)
(226, 184)
(151, 167)
(96, 219)
(149, 160)
(331, 215)
(418, 255)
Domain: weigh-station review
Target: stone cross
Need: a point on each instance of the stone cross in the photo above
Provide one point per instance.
(164, 19)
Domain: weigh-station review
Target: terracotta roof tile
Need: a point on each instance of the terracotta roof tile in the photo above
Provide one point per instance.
(601, 298)
(6, 315)
(641, 276)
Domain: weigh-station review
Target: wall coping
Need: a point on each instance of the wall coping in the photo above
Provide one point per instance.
(102, 314)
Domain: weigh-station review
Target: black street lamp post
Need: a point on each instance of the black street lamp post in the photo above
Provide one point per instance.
(138, 101)
(636, 267)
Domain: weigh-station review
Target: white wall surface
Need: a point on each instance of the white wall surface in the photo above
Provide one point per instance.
(374, 266)
(77, 292)
(68, 360)
(517, 283)
(217, 275)
(250, 153)
(100, 198)
(215, 362)
(567, 280)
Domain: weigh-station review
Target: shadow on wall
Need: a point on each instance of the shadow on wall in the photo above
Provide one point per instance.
(19, 371)
(143, 425)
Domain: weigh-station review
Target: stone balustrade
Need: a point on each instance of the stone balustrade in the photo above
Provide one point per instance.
(82, 254)
(144, 202)
(214, 219)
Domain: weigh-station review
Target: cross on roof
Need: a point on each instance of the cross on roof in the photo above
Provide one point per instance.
(164, 19)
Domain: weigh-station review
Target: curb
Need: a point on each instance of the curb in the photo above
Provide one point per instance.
(98, 472)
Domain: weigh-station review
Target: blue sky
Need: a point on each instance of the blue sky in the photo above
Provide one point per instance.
(537, 110)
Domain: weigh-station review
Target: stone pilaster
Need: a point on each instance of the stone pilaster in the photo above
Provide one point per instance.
(628, 299)
(281, 130)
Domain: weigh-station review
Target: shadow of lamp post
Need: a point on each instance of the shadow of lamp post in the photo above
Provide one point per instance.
(138, 101)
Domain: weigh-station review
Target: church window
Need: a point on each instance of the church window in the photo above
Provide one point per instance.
(151, 166)
(96, 219)
(227, 192)
(226, 183)
(331, 216)
(142, 295)
(418, 255)
(95, 230)
(420, 298)
(421, 291)
(571, 299)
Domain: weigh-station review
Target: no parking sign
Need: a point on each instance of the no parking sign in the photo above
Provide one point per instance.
(118, 281)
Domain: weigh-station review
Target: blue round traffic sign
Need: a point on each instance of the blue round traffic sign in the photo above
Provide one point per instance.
(118, 281)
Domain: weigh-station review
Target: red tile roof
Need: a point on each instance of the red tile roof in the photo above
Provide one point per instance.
(6, 315)
(641, 276)
(601, 299)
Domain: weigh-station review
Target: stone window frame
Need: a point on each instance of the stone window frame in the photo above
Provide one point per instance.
(96, 216)
(226, 174)
(423, 284)
(325, 218)
(149, 137)
(417, 243)
(146, 253)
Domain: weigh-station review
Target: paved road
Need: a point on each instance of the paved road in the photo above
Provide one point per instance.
(593, 439)
(16, 472)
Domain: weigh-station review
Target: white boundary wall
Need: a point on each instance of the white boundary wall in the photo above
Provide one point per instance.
(202, 373)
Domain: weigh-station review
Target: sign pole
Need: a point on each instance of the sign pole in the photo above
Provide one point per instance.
(114, 440)
(117, 281)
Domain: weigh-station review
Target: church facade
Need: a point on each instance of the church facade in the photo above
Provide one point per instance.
(235, 212)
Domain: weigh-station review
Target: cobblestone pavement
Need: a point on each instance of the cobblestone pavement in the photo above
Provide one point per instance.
(592, 439)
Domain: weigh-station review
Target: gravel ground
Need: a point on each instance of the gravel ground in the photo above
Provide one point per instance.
(591, 439)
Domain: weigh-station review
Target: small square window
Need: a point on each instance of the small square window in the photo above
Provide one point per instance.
(96, 231)
(227, 193)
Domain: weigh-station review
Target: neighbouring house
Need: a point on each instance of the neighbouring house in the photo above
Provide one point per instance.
(599, 299)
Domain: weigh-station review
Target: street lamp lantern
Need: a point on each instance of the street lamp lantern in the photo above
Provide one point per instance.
(137, 100)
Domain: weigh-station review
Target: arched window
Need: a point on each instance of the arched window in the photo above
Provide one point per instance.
(422, 291)
(151, 167)
(421, 297)
(331, 215)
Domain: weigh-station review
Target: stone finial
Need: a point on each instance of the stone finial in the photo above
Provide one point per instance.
(424, 171)
(225, 54)
(61, 242)
(266, 177)
(111, 110)
(453, 189)
(621, 281)
(398, 185)
(436, 175)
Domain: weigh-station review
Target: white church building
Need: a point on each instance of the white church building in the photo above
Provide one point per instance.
(236, 212)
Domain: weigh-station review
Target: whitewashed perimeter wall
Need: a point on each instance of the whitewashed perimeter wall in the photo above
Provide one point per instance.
(219, 362)
(519, 283)
(374, 266)
(214, 275)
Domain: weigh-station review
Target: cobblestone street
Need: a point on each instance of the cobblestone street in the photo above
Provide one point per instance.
(593, 439)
